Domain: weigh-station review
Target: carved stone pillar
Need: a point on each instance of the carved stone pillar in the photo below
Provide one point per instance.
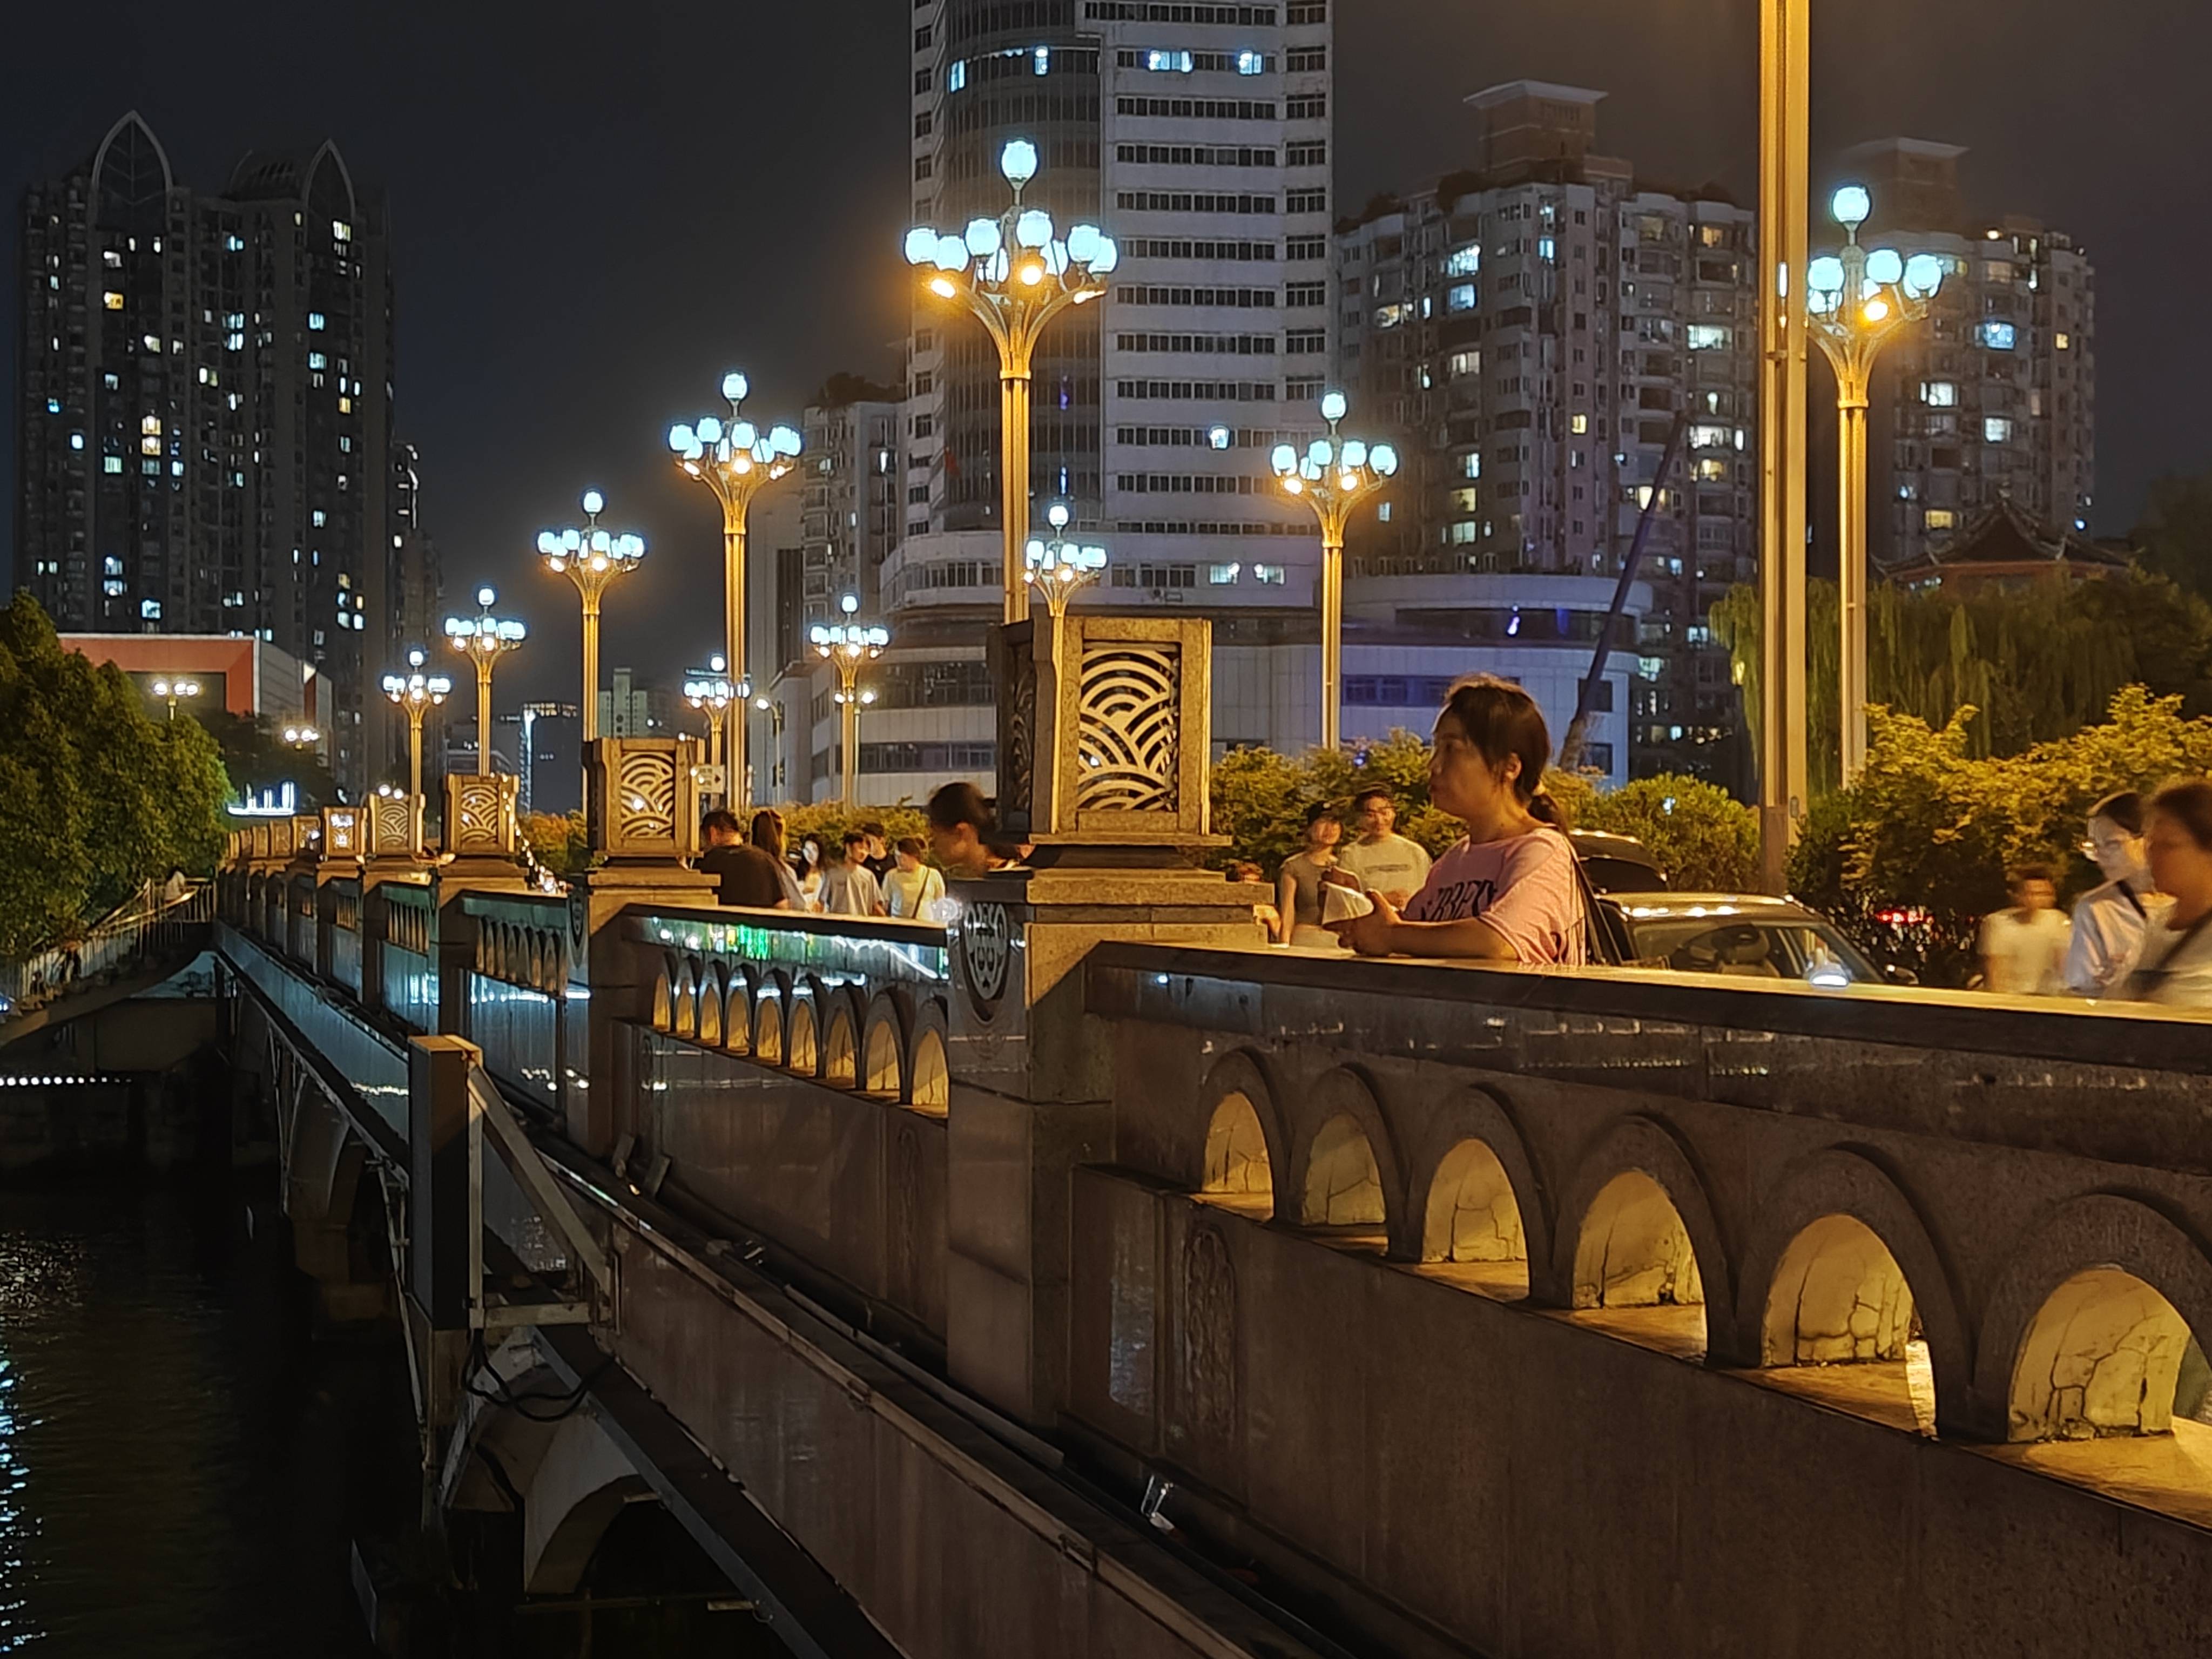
(641, 806)
(392, 851)
(482, 837)
(1104, 761)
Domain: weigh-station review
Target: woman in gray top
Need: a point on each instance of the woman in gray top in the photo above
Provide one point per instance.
(1305, 873)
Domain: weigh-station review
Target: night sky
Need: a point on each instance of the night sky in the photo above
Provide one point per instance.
(597, 208)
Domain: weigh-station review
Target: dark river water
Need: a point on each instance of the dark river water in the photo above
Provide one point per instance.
(182, 1470)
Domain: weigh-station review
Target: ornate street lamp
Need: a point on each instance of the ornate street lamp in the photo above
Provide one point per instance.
(846, 645)
(1333, 476)
(169, 690)
(1016, 274)
(416, 694)
(709, 690)
(591, 558)
(1059, 568)
(302, 736)
(737, 460)
(483, 640)
(1856, 301)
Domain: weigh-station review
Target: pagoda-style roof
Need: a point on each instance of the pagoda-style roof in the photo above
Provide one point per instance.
(2003, 543)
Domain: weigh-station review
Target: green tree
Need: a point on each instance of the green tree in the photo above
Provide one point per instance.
(256, 758)
(2027, 665)
(561, 842)
(95, 797)
(1706, 839)
(1929, 828)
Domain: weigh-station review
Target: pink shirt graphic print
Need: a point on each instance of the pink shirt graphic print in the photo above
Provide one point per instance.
(1524, 887)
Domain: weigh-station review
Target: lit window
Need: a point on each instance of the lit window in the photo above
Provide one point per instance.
(318, 517)
(111, 299)
(1466, 362)
(53, 405)
(345, 405)
(153, 342)
(1463, 534)
(1939, 394)
(1709, 437)
(1223, 576)
(1708, 336)
(112, 589)
(151, 423)
(1463, 501)
(1462, 298)
(1382, 512)
(1940, 518)
(1268, 576)
(112, 565)
(1043, 61)
(1547, 248)
(1464, 262)
(76, 441)
(149, 446)
(340, 231)
(112, 463)
(1250, 62)
(1471, 465)
(1580, 423)
(1998, 336)
(1170, 63)
(315, 320)
(112, 259)
(316, 360)
(2063, 342)
(233, 245)
(956, 77)
(1996, 429)
(150, 609)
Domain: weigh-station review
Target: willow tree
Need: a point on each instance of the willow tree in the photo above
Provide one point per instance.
(2028, 666)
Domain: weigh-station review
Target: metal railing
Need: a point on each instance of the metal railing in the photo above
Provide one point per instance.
(149, 925)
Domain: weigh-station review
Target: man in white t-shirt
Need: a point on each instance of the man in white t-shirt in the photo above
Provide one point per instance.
(1382, 861)
(849, 886)
(2024, 949)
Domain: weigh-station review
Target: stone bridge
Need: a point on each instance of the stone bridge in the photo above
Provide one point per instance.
(1084, 1278)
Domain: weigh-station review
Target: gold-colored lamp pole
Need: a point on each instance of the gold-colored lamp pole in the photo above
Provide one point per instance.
(1059, 568)
(591, 558)
(773, 709)
(1016, 274)
(169, 690)
(1785, 198)
(1857, 300)
(1333, 476)
(736, 460)
(847, 646)
(709, 690)
(416, 694)
(483, 640)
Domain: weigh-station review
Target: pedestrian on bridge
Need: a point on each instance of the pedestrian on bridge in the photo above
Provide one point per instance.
(1508, 890)
(2108, 921)
(849, 886)
(2173, 964)
(767, 835)
(964, 833)
(1382, 861)
(2024, 948)
(745, 874)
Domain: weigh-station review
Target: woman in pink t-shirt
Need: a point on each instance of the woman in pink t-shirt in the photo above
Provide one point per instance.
(1507, 890)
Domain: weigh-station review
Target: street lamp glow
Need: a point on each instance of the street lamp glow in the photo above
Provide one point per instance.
(1015, 273)
(847, 646)
(1334, 477)
(1857, 298)
(736, 461)
(1058, 568)
(414, 694)
(591, 558)
(483, 640)
(171, 689)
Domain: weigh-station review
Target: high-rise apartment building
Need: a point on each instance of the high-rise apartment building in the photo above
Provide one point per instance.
(851, 478)
(1537, 326)
(1993, 398)
(206, 416)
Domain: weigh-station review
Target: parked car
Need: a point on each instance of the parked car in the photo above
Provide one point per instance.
(1618, 863)
(1733, 936)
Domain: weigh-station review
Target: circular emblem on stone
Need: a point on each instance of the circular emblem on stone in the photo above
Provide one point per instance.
(986, 941)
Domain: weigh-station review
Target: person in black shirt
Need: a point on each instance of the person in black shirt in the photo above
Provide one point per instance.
(746, 874)
(880, 861)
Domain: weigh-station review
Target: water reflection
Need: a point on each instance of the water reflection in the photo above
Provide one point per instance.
(180, 1471)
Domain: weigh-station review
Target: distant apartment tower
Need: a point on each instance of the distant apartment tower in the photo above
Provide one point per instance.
(1536, 326)
(1993, 398)
(853, 476)
(205, 414)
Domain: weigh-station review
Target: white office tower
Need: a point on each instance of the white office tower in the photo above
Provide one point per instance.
(1199, 136)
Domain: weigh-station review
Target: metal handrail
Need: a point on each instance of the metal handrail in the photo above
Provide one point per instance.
(116, 942)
